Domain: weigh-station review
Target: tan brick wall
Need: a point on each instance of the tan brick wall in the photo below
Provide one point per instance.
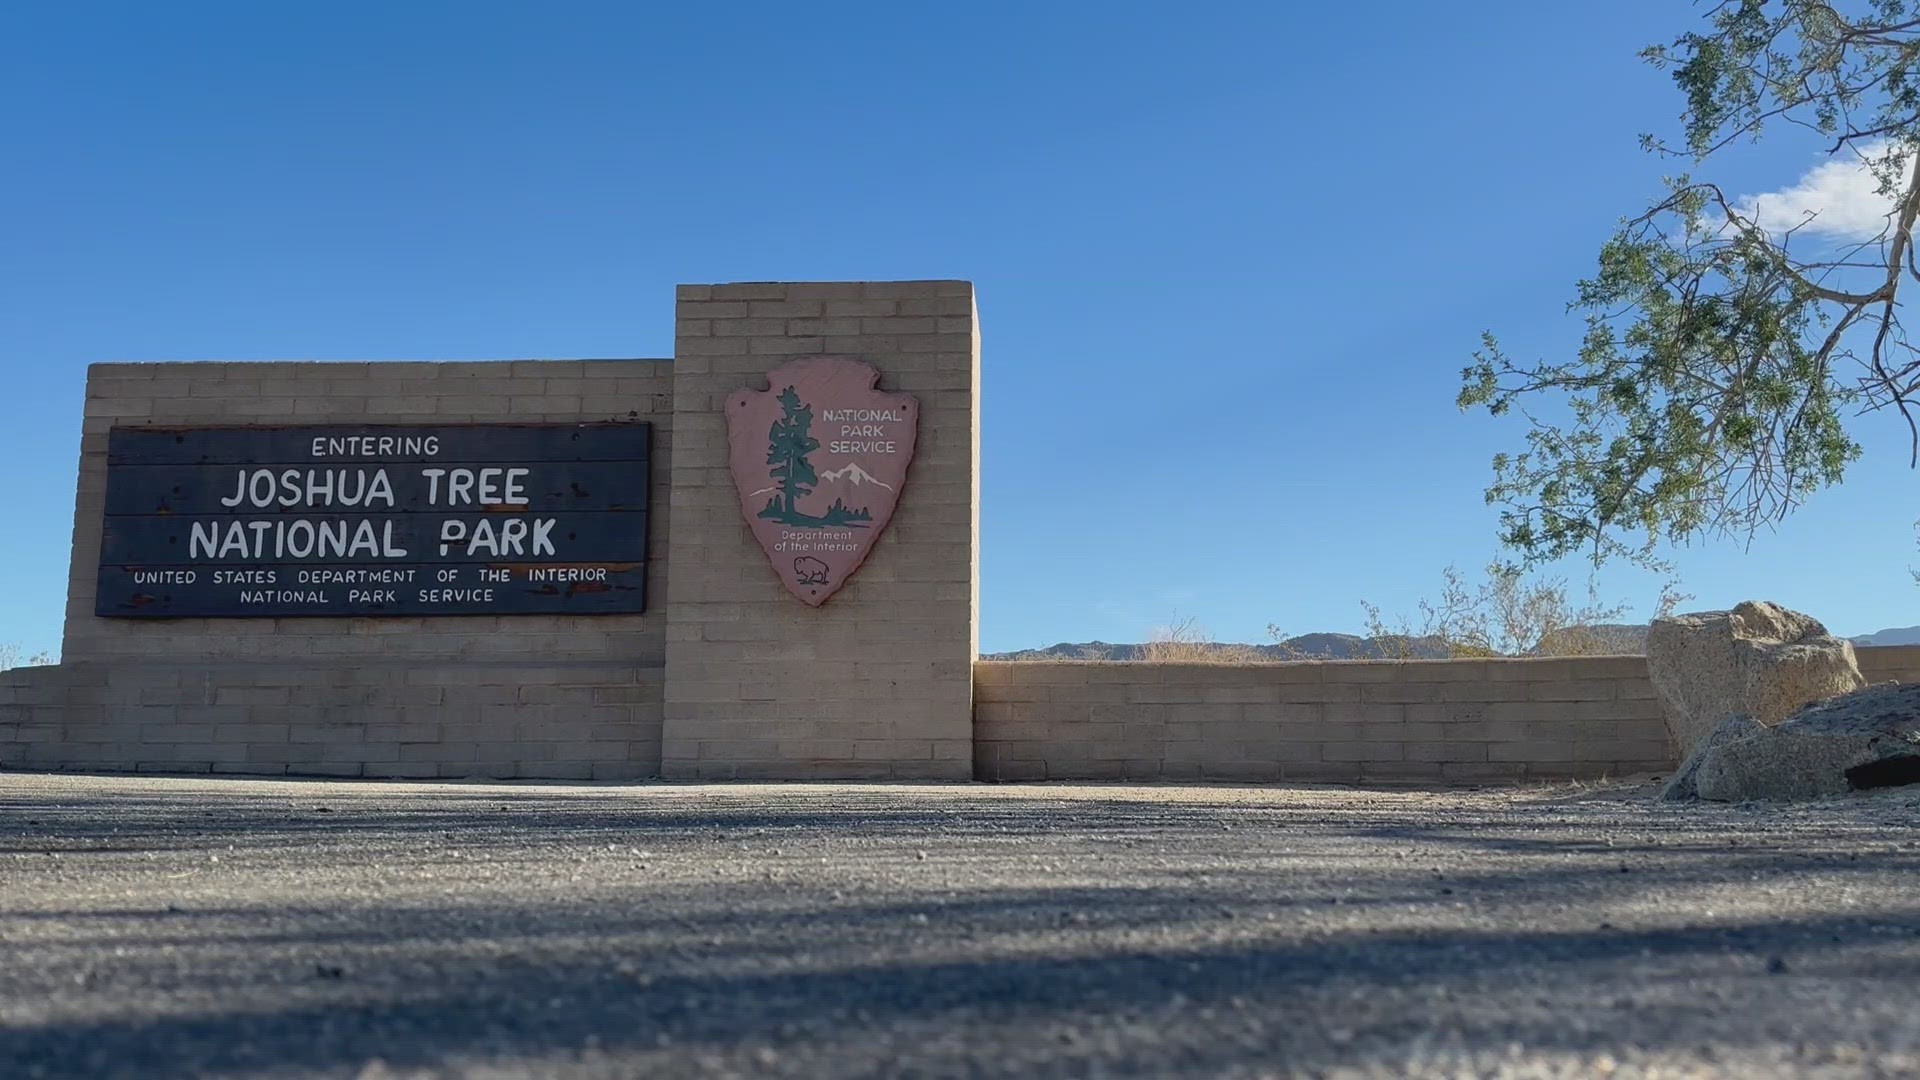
(1889, 663)
(1373, 721)
(551, 696)
(582, 721)
(1418, 720)
(1421, 721)
(878, 681)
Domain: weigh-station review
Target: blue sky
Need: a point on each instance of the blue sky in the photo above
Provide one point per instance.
(1230, 257)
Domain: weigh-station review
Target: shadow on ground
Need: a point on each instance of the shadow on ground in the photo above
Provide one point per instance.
(955, 931)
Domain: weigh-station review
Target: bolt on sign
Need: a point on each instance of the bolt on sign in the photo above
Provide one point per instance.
(469, 519)
(819, 458)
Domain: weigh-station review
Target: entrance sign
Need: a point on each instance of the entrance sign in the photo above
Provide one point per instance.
(469, 519)
(819, 458)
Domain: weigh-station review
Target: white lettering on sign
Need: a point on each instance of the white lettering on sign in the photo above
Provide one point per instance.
(256, 540)
(368, 520)
(283, 596)
(861, 416)
(483, 487)
(566, 573)
(327, 575)
(310, 487)
(513, 537)
(369, 445)
(300, 540)
(455, 596)
(863, 431)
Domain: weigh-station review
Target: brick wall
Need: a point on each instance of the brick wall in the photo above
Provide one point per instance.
(1423, 720)
(1419, 721)
(574, 721)
(1890, 663)
(1374, 721)
(550, 696)
(878, 681)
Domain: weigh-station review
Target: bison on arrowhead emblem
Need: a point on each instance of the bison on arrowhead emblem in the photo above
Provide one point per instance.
(819, 458)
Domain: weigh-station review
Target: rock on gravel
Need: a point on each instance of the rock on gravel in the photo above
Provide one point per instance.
(1684, 783)
(1759, 660)
(1861, 741)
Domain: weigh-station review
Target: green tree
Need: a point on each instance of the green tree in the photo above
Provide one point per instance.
(789, 442)
(1722, 352)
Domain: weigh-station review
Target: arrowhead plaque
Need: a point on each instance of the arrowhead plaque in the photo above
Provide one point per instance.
(820, 458)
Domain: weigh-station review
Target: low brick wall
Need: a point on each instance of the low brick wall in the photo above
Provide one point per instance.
(1363, 720)
(1421, 720)
(1890, 663)
(557, 721)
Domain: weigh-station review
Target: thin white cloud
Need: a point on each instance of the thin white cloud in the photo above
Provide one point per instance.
(1838, 198)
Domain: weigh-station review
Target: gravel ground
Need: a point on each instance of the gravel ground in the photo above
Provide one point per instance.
(190, 927)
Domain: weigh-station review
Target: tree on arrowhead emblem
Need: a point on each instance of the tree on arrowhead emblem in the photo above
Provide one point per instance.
(789, 441)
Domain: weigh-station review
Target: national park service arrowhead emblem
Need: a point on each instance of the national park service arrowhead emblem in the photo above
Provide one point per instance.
(820, 458)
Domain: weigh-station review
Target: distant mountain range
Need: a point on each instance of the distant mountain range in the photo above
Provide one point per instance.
(1899, 635)
(1620, 639)
(1306, 646)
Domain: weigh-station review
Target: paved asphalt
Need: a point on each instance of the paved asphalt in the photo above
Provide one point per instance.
(174, 927)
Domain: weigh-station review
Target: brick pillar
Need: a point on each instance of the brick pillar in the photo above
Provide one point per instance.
(877, 682)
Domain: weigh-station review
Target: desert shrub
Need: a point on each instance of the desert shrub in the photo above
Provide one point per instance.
(13, 656)
(1184, 641)
(1509, 615)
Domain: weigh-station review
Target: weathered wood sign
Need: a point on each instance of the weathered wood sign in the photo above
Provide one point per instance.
(375, 520)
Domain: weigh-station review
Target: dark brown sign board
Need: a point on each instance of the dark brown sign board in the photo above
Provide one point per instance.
(370, 520)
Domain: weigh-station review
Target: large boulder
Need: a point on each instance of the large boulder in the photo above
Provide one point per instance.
(1758, 660)
(1864, 740)
(1684, 784)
